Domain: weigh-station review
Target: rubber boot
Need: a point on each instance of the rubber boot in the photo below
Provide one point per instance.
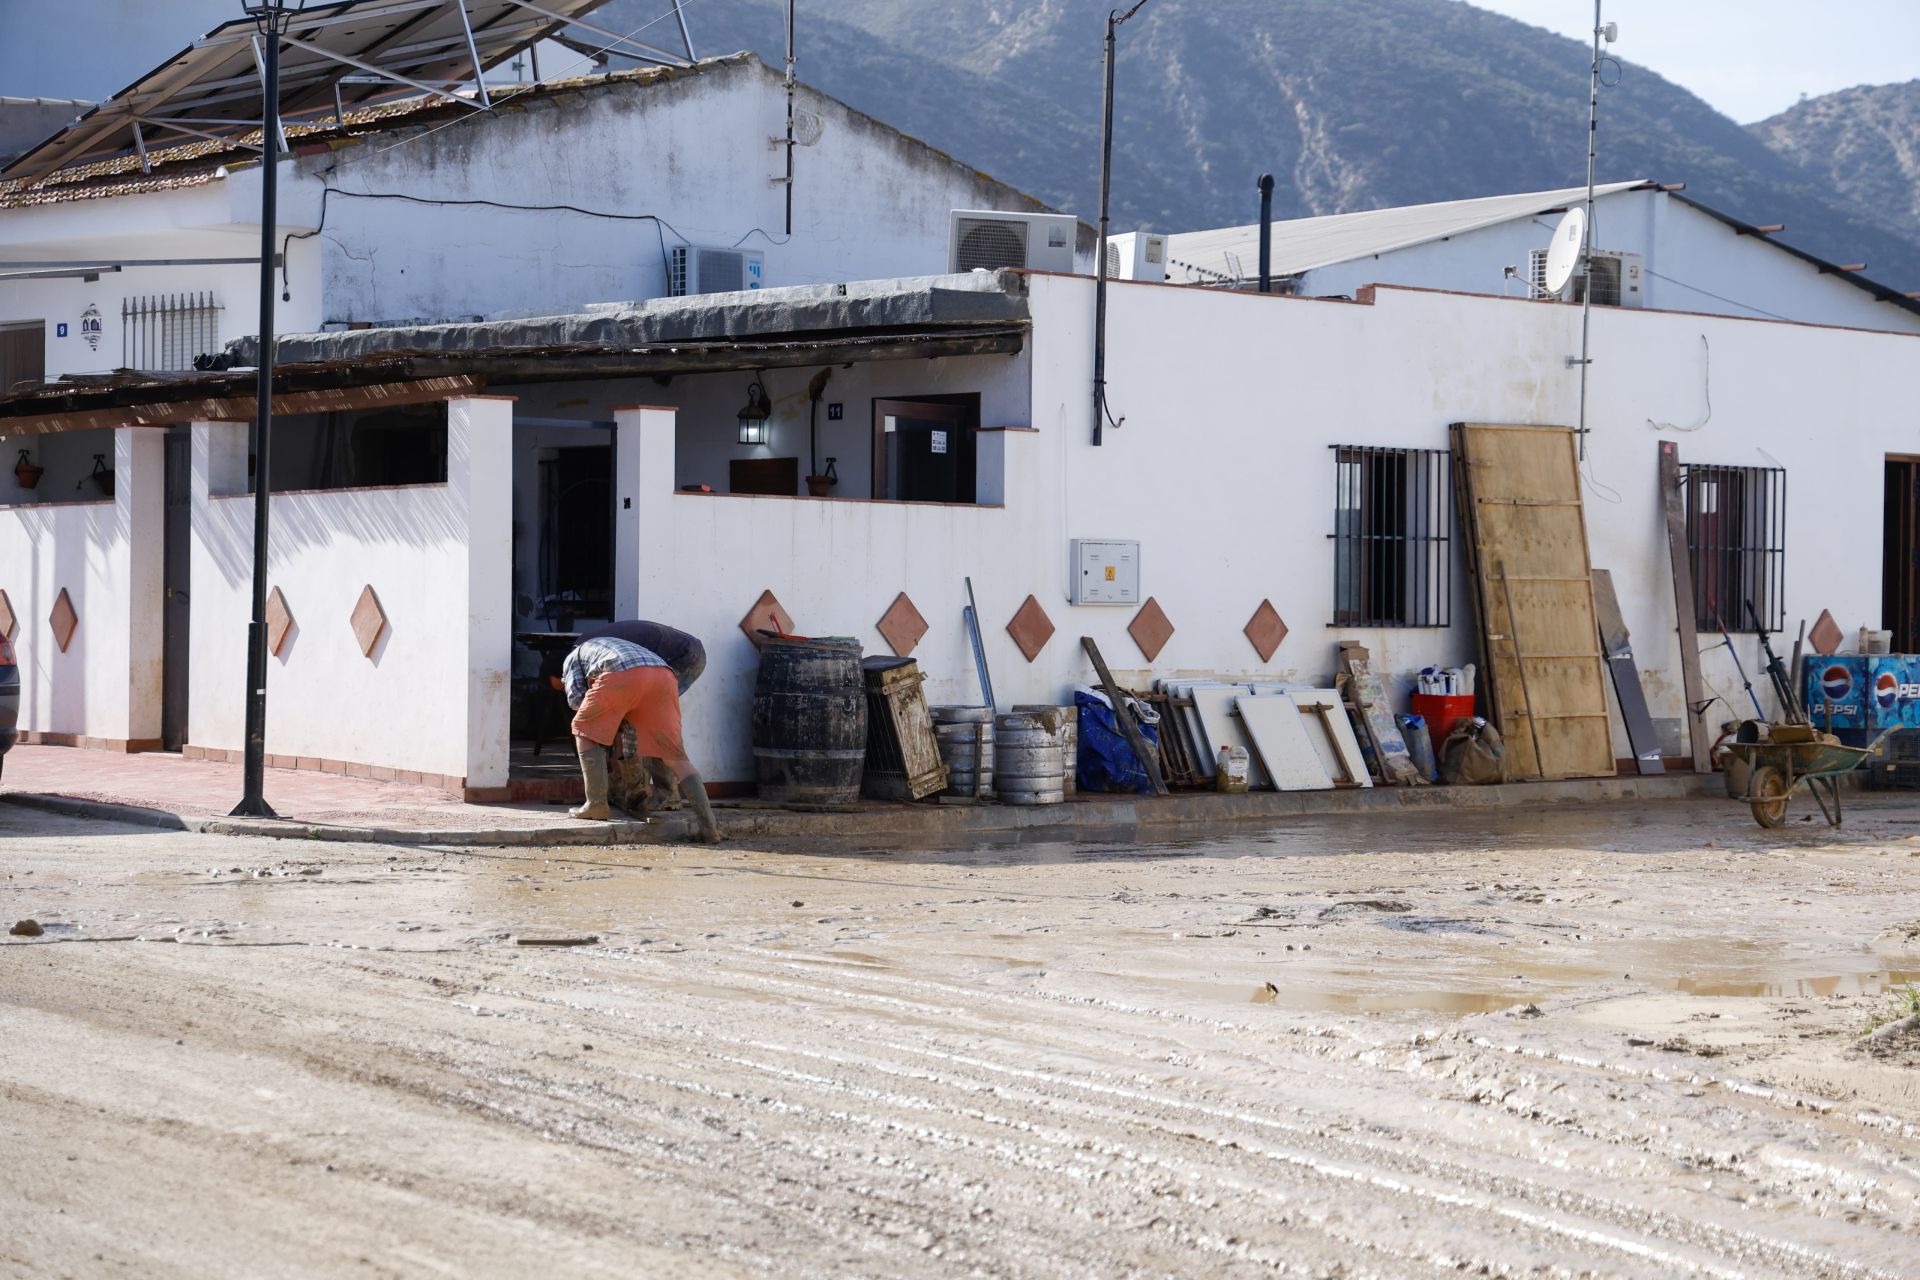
(593, 772)
(696, 795)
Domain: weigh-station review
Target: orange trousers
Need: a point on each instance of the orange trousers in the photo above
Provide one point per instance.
(646, 697)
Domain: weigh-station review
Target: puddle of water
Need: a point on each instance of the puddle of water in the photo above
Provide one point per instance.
(1869, 983)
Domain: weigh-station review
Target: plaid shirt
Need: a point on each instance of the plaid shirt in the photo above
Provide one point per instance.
(601, 656)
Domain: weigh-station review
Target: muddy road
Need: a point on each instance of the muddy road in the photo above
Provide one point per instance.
(1578, 1043)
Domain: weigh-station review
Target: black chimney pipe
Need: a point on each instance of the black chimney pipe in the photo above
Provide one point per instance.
(1266, 233)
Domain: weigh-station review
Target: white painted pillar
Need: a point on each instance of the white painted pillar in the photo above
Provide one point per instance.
(643, 477)
(480, 476)
(139, 502)
(222, 585)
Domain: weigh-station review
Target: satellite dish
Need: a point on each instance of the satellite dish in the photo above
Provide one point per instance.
(1563, 255)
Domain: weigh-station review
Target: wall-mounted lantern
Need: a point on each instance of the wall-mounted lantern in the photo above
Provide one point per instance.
(753, 417)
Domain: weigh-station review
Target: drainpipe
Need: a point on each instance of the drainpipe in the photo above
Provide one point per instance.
(1100, 412)
(1100, 249)
(1266, 233)
(790, 85)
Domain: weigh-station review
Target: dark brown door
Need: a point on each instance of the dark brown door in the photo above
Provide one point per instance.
(176, 566)
(1900, 555)
(23, 353)
(923, 451)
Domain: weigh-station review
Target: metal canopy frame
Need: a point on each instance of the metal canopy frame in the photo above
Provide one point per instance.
(333, 57)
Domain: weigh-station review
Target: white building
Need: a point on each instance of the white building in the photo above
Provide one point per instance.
(562, 195)
(964, 443)
(1653, 247)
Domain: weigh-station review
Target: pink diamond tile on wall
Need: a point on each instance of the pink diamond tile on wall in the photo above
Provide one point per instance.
(901, 626)
(767, 614)
(369, 620)
(1150, 629)
(63, 620)
(279, 621)
(1265, 630)
(1031, 628)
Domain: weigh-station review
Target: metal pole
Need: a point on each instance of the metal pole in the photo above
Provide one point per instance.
(1100, 249)
(253, 803)
(1586, 248)
(1266, 233)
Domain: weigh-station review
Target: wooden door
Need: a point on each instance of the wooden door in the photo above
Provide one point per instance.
(1533, 594)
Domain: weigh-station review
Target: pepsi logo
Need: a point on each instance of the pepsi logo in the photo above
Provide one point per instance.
(1836, 682)
(1886, 689)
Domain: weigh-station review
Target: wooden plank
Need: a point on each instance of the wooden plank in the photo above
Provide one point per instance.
(1123, 716)
(1376, 716)
(1692, 688)
(1332, 735)
(1527, 547)
(1617, 645)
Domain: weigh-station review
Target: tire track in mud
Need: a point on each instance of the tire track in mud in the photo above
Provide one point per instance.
(1651, 1236)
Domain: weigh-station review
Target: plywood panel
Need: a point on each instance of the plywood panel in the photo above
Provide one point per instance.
(1539, 637)
(1224, 728)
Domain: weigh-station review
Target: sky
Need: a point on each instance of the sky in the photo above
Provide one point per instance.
(1749, 59)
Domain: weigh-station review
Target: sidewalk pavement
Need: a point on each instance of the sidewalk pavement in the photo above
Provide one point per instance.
(169, 791)
(164, 790)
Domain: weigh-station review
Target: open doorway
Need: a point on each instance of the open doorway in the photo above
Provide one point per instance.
(1900, 553)
(924, 448)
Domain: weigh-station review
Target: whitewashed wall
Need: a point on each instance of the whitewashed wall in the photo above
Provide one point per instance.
(868, 201)
(1223, 472)
(215, 219)
(1693, 263)
(106, 554)
(432, 696)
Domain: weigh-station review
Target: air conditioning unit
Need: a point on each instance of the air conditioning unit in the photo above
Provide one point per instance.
(1619, 279)
(1137, 255)
(985, 240)
(693, 268)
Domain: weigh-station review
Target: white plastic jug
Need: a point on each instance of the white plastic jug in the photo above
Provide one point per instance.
(1230, 769)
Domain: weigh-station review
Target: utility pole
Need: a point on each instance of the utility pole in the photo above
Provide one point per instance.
(272, 19)
(1114, 19)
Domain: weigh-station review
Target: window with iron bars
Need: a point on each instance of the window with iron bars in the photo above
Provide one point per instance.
(1737, 545)
(1392, 518)
(167, 330)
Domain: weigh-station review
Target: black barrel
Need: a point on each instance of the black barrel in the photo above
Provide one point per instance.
(810, 723)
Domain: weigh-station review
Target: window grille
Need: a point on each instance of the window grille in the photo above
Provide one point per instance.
(1392, 520)
(167, 330)
(1736, 543)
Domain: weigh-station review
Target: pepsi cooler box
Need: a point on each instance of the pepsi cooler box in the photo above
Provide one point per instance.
(1855, 691)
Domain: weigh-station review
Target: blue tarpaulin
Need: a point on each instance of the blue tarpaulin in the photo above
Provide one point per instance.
(1107, 762)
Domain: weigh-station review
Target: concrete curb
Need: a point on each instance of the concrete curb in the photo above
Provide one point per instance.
(611, 833)
(1090, 813)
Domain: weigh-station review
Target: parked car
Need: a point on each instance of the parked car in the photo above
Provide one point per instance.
(9, 697)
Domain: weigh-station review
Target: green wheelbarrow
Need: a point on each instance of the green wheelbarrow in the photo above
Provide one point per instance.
(1774, 769)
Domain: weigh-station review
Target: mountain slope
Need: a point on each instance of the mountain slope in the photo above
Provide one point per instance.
(1863, 142)
(1352, 104)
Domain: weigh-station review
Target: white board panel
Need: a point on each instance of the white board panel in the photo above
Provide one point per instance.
(1342, 747)
(1221, 720)
(1279, 732)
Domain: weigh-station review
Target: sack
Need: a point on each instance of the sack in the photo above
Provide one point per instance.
(1106, 761)
(1474, 755)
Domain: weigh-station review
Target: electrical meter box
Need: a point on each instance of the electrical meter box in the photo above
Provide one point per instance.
(1105, 572)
